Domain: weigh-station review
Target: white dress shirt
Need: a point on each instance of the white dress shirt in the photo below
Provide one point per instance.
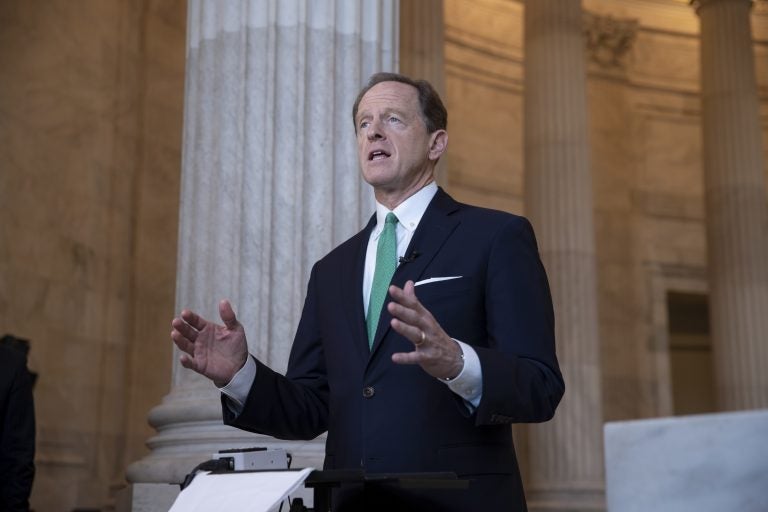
(468, 384)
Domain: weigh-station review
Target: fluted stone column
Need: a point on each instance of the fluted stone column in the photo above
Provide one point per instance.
(565, 455)
(422, 51)
(270, 183)
(736, 208)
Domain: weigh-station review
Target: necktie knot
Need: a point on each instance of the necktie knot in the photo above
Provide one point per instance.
(391, 218)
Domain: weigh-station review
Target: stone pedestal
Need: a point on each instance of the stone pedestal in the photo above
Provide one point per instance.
(706, 463)
(270, 183)
(736, 207)
(565, 457)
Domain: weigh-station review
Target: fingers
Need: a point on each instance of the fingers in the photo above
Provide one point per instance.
(407, 357)
(423, 339)
(184, 344)
(413, 333)
(207, 347)
(188, 362)
(410, 318)
(183, 335)
(433, 350)
(404, 304)
(187, 326)
(227, 314)
(405, 295)
(193, 319)
(184, 329)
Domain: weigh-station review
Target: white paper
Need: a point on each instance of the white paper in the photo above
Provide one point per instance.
(258, 491)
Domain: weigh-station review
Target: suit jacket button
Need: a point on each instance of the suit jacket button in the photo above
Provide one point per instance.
(368, 392)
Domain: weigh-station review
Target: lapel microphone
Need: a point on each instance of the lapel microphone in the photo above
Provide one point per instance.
(409, 258)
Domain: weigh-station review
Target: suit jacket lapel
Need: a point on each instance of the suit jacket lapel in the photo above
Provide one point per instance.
(352, 289)
(434, 229)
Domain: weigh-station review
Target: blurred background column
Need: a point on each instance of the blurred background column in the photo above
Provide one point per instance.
(270, 183)
(422, 29)
(736, 208)
(565, 455)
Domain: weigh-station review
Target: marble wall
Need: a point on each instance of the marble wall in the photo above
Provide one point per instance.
(90, 125)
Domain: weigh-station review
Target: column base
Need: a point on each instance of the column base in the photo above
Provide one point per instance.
(190, 431)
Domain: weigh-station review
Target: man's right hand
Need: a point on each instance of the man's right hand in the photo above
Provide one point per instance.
(216, 351)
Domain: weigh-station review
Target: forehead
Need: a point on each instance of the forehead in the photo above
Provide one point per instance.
(390, 95)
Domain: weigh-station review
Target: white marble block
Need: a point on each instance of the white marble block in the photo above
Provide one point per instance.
(702, 463)
(146, 497)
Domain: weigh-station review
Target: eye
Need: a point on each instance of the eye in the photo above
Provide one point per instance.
(363, 124)
(393, 119)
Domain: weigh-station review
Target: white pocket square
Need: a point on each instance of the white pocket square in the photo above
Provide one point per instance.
(436, 279)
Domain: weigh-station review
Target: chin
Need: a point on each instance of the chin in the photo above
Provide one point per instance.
(376, 178)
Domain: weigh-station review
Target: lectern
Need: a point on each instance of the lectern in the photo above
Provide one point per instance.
(223, 488)
(323, 483)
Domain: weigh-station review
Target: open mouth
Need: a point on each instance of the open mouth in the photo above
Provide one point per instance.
(377, 155)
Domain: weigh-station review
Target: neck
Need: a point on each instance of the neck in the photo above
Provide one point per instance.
(394, 198)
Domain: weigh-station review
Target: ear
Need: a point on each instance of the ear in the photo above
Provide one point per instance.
(438, 143)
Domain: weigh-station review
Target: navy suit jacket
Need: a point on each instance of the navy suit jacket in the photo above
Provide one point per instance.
(384, 417)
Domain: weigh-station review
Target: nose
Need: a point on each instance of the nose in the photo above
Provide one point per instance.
(374, 131)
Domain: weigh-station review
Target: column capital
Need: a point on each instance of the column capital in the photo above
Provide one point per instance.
(608, 40)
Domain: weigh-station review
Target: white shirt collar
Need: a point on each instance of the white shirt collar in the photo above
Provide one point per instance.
(409, 212)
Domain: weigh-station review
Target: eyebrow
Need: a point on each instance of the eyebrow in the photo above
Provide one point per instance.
(364, 113)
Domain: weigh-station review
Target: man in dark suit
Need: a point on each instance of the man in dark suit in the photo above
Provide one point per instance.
(17, 427)
(422, 337)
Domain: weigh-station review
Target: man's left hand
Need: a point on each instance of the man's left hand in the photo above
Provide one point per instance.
(434, 350)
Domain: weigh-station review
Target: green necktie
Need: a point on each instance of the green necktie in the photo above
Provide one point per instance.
(386, 262)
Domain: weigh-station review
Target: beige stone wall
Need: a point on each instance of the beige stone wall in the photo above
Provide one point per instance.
(90, 126)
(483, 77)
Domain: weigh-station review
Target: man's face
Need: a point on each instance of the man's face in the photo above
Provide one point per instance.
(396, 153)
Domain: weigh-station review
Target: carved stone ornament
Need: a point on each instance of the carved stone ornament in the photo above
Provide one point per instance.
(608, 39)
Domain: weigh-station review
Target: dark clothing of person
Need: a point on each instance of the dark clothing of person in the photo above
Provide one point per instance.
(17, 431)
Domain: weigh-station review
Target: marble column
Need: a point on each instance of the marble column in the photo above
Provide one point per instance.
(736, 208)
(270, 183)
(422, 51)
(565, 455)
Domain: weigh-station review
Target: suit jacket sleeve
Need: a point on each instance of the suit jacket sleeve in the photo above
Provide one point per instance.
(521, 378)
(294, 406)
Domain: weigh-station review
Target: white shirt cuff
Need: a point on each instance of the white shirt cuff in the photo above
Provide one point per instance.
(238, 388)
(468, 384)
